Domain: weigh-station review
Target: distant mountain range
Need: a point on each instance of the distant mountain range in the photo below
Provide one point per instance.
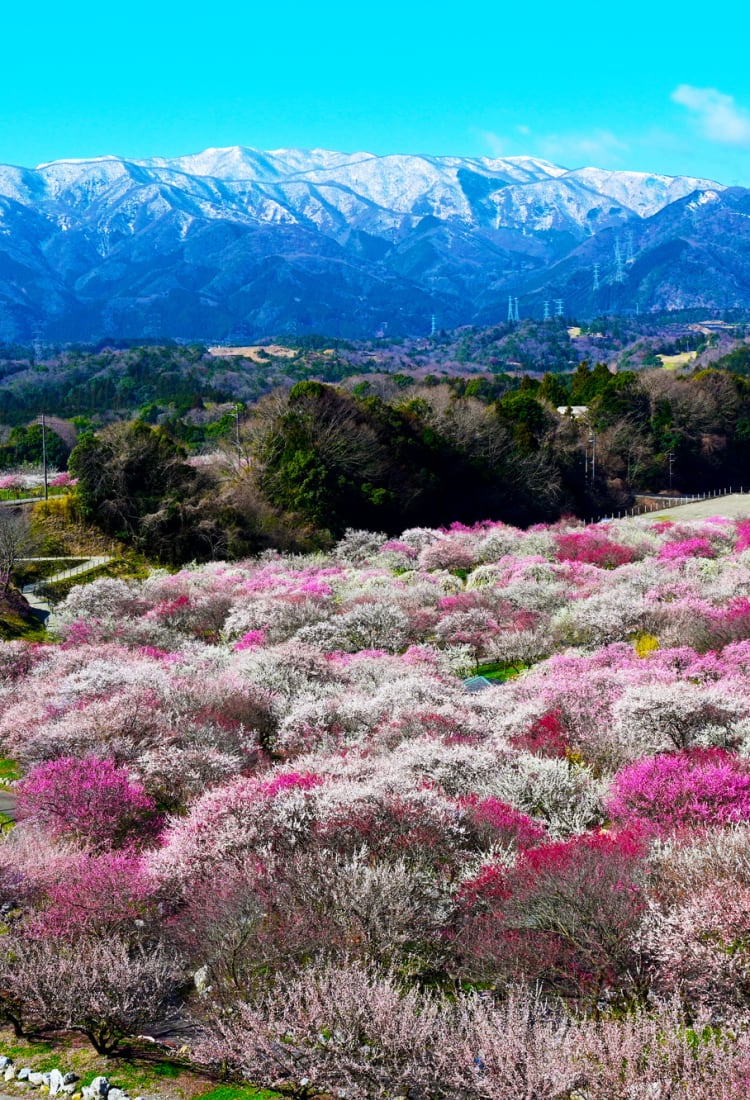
(241, 244)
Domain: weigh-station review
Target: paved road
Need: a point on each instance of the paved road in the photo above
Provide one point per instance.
(7, 803)
(730, 506)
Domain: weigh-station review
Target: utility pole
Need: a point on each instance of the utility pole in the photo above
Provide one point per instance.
(237, 434)
(546, 311)
(44, 457)
(596, 277)
(671, 462)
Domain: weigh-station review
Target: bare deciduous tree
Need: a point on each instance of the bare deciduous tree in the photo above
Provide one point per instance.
(14, 536)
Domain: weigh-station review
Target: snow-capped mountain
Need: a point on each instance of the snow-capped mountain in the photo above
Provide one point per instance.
(241, 240)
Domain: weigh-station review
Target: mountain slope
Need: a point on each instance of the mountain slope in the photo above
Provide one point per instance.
(239, 241)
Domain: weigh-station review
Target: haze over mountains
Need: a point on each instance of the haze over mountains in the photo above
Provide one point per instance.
(237, 243)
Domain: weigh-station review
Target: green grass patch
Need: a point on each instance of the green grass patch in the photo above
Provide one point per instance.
(146, 1075)
(23, 1050)
(166, 1069)
(9, 769)
(15, 627)
(500, 671)
(37, 491)
(237, 1092)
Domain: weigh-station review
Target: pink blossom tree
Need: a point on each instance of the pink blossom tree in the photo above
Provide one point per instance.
(693, 788)
(92, 801)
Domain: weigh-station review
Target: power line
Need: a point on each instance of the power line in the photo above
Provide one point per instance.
(629, 254)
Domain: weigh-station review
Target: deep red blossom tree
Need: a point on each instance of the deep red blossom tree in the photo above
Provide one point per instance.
(594, 547)
(565, 915)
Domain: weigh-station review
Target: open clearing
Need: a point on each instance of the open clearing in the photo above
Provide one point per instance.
(674, 362)
(256, 352)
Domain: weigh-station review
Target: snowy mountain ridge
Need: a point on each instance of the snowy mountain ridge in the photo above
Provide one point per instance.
(240, 182)
(253, 242)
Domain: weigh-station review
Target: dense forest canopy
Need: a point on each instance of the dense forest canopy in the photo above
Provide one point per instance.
(301, 441)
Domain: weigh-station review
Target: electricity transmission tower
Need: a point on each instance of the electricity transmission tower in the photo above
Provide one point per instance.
(619, 267)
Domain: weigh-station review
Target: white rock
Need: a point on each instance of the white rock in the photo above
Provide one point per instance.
(200, 980)
(55, 1082)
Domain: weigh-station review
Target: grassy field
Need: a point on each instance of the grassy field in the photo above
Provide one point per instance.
(146, 1073)
(732, 506)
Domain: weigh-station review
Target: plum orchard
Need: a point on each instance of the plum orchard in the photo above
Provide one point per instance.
(271, 772)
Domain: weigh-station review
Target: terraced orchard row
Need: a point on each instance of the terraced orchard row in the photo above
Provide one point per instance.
(262, 795)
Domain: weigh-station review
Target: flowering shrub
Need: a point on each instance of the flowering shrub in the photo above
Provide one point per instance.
(595, 547)
(564, 914)
(89, 800)
(696, 787)
(686, 548)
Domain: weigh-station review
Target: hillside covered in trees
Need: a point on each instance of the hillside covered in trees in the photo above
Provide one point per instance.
(304, 464)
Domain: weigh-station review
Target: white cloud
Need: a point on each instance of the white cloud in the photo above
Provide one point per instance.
(573, 149)
(495, 144)
(717, 115)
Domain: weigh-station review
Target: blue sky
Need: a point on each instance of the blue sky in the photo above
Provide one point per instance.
(617, 86)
